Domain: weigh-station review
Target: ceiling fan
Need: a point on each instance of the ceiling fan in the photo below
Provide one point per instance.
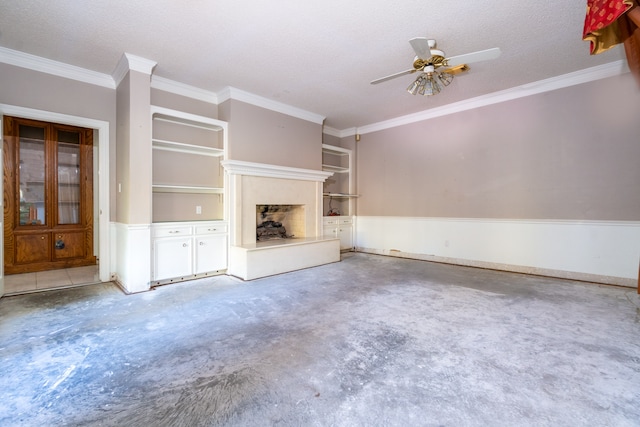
(429, 59)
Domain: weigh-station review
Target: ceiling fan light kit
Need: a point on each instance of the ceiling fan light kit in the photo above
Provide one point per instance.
(428, 59)
(446, 78)
(427, 85)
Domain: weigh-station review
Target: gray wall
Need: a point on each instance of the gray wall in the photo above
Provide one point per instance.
(265, 136)
(133, 188)
(123, 159)
(568, 154)
(31, 89)
(164, 99)
(331, 140)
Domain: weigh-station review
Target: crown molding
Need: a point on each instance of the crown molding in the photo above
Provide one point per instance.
(140, 64)
(172, 86)
(349, 132)
(60, 69)
(566, 80)
(121, 70)
(129, 62)
(240, 95)
(339, 133)
(331, 131)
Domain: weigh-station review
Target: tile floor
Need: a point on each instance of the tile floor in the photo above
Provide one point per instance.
(43, 280)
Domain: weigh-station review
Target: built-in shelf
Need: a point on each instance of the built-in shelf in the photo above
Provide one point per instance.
(334, 168)
(185, 119)
(339, 189)
(188, 183)
(340, 195)
(336, 151)
(159, 188)
(180, 147)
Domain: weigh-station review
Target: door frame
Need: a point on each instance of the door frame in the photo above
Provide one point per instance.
(103, 193)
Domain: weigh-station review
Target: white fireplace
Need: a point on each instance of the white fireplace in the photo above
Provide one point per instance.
(252, 187)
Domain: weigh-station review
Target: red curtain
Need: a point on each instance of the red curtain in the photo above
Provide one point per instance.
(610, 22)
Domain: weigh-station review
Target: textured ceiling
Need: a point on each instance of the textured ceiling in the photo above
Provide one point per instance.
(315, 55)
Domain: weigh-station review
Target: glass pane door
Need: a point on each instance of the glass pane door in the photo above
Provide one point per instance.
(31, 171)
(68, 177)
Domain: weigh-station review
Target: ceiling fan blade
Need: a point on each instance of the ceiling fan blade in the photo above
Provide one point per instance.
(393, 76)
(481, 55)
(421, 47)
(457, 69)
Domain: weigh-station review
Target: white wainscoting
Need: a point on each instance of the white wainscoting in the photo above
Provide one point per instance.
(132, 256)
(597, 251)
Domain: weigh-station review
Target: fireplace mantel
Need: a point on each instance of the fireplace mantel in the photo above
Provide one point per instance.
(238, 167)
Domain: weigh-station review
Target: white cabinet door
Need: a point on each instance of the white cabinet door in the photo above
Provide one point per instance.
(172, 257)
(330, 227)
(345, 234)
(211, 253)
(341, 228)
(330, 231)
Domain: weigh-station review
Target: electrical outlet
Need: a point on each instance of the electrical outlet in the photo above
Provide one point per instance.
(198, 210)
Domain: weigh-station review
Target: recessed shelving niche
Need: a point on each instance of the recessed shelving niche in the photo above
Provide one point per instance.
(188, 181)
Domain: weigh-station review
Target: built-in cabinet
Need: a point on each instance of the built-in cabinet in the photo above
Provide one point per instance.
(184, 250)
(189, 231)
(339, 195)
(339, 227)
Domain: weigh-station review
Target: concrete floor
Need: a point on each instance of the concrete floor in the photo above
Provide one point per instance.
(369, 341)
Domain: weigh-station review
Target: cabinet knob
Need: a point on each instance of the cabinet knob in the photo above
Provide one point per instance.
(201, 243)
(42, 238)
(174, 231)
(212, 229)
(184, 245)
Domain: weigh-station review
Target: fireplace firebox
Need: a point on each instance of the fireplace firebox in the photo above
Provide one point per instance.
(274, 222)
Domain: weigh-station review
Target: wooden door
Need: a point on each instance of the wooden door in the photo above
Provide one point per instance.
(48, 189)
